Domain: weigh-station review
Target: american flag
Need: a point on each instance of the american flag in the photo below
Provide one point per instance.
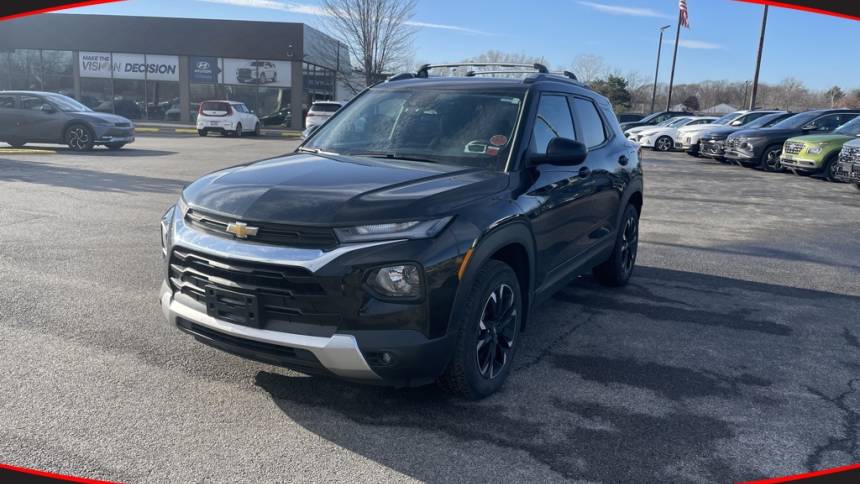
(683, 19)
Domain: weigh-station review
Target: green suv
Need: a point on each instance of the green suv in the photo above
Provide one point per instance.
(818, 153)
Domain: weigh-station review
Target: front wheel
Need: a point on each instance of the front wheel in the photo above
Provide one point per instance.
(857, 186)
(830, 168)
(79, 137)
(257, 129)
(770, 159)
(616, 270)
(664, 143)
(201, 132)
(115, 146)
(238, 132)
(16, 143)
(487, 334)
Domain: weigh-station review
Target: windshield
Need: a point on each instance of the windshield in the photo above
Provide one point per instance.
(765, 120)
(797, 120)
(726, 119)
(67, 104)
(851, 128)
(678, 122)
(455, 127)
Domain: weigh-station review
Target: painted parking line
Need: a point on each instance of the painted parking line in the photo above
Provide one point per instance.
(147, 130)
(25, 151)
(186, 130)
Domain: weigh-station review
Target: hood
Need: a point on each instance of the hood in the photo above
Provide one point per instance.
(823, 138)
(639, 129)
(111, 118)
(339, 190)
(771, 134)
(698, 127)
(855, 143)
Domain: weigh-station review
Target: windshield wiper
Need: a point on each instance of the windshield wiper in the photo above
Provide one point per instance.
(393, 156)
(308, 150)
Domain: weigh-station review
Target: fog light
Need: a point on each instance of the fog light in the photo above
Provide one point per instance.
(396, 281)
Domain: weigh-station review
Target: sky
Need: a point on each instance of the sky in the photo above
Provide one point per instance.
(817, 49)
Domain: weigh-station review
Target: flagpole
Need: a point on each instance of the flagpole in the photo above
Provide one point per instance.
(674, 58)
(758, 59)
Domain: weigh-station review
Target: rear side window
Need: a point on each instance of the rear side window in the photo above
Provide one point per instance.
(593, 131)
(553, 120)
(832, 121)
(325, 108)
(7, 101)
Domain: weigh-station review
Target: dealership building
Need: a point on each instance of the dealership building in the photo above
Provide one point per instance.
(160, 69)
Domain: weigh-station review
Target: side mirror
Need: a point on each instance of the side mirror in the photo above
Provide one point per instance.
(561, 151)
(47, 108)
(808, 127)
(735, 123)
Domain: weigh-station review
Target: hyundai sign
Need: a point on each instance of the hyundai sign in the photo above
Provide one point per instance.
(203, 69)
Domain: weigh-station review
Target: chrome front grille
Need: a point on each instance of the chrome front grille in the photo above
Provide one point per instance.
(850, 154)
(299, 236)
(793, 148)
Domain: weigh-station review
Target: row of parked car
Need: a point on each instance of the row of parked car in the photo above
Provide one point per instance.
(821, 142)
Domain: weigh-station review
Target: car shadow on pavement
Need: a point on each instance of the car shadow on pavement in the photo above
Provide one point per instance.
(84, 179)
(641, 384)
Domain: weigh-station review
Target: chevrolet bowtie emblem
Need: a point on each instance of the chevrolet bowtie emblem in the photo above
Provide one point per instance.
(241, 230)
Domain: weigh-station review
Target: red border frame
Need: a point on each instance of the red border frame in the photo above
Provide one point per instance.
(807, 475)
(803, 8)
(51, 475)
(84, 3)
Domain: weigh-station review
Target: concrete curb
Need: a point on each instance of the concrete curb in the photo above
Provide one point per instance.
(181, 130)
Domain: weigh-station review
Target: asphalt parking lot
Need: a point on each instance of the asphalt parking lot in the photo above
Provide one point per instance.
(734, 354)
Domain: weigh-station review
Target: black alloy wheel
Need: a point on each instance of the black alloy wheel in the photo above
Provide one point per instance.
(617, 270)
(496, 331)
(79, 138)
(770, 159)
(831, 167)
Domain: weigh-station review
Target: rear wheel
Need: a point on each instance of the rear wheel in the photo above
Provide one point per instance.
(16, 143)
(79, 137)
(857, 186)
(487, 333)
(115, 146)
(770, 159)
(664, 143)
(201, 132)
(238, 132)
(616, 271)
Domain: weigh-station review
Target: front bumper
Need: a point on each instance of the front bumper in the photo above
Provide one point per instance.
(712, 148)
(800, 164)
(738, 156)
(848, 171)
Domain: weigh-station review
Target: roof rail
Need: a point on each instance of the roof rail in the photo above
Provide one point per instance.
(488, 73)
(423, 70)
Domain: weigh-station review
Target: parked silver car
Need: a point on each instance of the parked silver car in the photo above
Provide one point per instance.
(46, 117)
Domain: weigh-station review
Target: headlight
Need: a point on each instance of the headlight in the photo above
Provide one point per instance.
(166, 223)
(183, 206)
(814, 149)
(396, 281)
(101, 122)
(388, 231)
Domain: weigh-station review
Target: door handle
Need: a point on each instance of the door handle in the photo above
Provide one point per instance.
(623, 160)
(584, 172)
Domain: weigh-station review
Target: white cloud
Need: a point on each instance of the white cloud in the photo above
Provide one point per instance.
(305, 9)
(694, 44)
(623, 10)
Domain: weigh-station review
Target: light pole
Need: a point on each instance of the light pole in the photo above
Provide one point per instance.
(758, 58)
(657, 70)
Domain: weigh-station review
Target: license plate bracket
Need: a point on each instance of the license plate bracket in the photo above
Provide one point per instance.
(233, 306)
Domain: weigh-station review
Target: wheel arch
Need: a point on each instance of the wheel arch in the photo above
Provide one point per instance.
(511, 243)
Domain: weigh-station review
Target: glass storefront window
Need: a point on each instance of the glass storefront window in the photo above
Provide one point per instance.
(57, 68)
(273, 106)
(128, 98)
(97, 94)
(162, 99)
(319, 85)
(25, 69)
(243, 94)
(5, 71)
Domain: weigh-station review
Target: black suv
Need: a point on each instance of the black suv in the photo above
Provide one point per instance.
(411, 236)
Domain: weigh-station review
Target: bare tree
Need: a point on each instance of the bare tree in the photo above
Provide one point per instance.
(497, 56)
(589, 67)
(377, 32)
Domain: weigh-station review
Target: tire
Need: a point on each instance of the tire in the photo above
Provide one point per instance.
(79, 137)
(857, 186)
(664, 143)
(16, 143)
(616, 271)
(238, 132)
(484, 349)
(115, 146)
(257, 129)
(201, 132)
(770, 159)
(829, 170)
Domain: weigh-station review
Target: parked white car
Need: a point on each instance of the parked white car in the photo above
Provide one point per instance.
(665, 138)
(688, 136)
(227, 118)
(319, 113)
(633, 133)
